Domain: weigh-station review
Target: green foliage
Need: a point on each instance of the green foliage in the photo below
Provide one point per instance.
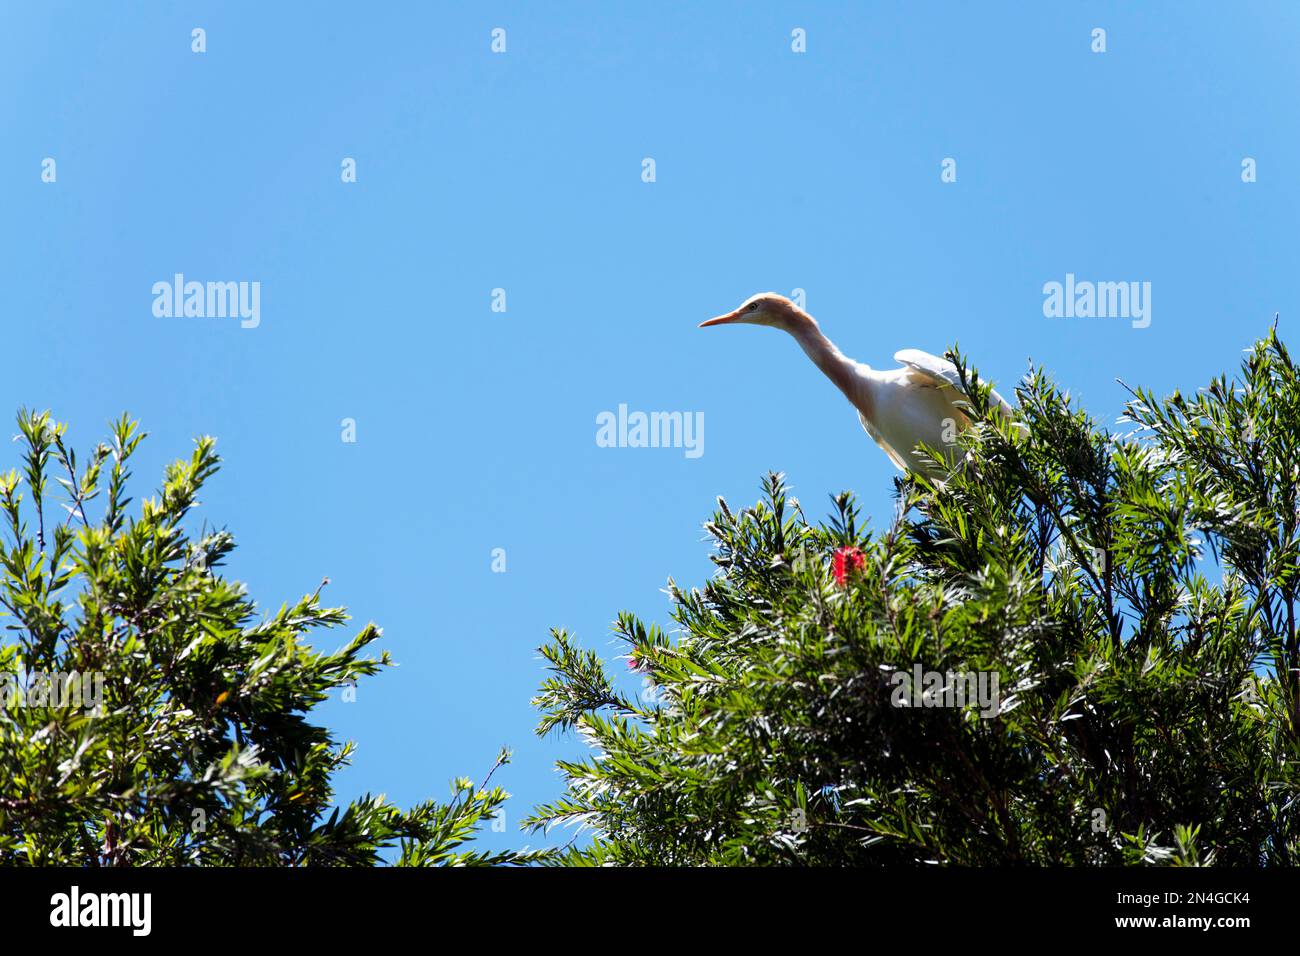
(1133, 594)
(149, 714)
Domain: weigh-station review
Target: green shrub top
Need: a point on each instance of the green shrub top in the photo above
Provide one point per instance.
(1126, 601)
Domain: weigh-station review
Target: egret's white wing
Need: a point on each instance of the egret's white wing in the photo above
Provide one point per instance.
(944, 373)
(930, 365)
(888, 449)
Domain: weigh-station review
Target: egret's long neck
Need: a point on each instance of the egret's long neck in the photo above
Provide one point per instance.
(835, 365)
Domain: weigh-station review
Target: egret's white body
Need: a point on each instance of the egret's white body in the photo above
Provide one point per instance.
(900, 408)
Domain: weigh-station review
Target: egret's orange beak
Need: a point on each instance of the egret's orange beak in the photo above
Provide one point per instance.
(721, 319)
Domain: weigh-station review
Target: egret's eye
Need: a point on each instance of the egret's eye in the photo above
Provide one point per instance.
(753, 307)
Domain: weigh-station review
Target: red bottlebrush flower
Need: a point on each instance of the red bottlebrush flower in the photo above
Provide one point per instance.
(845, 562)
(633, 664)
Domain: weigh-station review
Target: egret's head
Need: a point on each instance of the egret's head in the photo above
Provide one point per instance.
(766, 308)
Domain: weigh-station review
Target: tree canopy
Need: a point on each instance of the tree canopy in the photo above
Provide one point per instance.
(1077, 646)
(1126, 600)
(149, 714)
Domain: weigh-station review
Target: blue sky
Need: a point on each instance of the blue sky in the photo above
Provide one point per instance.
(523, 171)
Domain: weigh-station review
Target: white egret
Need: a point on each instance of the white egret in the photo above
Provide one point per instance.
(900, 408)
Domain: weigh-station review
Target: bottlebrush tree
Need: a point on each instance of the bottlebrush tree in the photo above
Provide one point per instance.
(1128, 600)
(150, 714)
